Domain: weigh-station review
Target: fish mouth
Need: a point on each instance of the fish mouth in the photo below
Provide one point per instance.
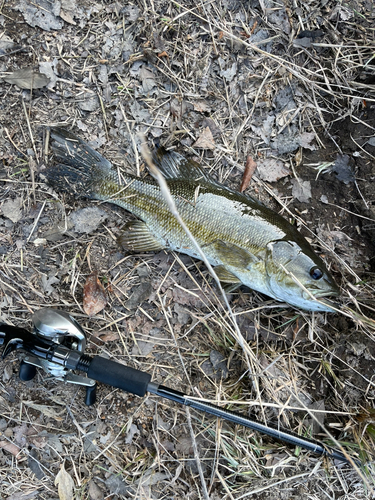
(320, 297)
(331, 304)
(332, 293)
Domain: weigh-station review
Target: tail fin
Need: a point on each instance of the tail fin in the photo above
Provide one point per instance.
(73, 151)
(68, 179)
(79, 167)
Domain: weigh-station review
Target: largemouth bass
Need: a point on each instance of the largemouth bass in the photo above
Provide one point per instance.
(247, 242)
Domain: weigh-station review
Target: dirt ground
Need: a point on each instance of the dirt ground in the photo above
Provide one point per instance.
(290, 85)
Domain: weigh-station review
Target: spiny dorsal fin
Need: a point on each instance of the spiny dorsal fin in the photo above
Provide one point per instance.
(174, 166)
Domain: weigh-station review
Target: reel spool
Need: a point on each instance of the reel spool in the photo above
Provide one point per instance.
(60, 328)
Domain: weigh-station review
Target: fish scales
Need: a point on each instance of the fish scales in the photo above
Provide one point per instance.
(211, 214)
(249, 243)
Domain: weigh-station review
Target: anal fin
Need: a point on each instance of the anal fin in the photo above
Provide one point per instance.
(137, 237)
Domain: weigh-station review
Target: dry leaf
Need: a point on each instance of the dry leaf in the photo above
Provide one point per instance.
(298, 157)
(10, 447)
(67, 12)
(301, 190)
(272, 170)
(185, 445)
(65, 484)
(106, 336)
(48, 411)
(306, 139)
(94, 296)
(27, 78)
(201, 106)
(248, 173)
(12, 209)
(95, 493)
(205, 140)
(343, 169)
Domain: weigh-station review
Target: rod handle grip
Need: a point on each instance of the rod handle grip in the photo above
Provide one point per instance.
(117, 375)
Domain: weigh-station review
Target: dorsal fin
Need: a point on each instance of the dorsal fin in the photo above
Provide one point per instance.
(174, 166)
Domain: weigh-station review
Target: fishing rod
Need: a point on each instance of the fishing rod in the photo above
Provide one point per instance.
(57, 346)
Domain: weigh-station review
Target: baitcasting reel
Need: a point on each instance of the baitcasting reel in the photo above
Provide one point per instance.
(60, 328)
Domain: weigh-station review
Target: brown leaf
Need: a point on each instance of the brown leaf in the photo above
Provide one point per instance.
(248, 173)
(67, 15)
(306, 139)
(94, 296)
(205, 140)
(301, 190)
(201, 106)
(47, 411)
(215, 130)
(10, 447)
(106, 336)
(95, 493)
(185, 445)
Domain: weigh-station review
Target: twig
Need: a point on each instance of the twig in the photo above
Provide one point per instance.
(196, 454)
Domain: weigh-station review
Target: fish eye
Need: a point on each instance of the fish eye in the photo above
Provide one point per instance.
(316, 273)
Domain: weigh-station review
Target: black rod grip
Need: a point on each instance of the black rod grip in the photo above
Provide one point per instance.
(124, 377)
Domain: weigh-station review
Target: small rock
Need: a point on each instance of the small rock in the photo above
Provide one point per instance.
(90, 102)
(183, 314)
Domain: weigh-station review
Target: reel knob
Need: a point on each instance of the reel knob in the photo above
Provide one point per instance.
(26, 372)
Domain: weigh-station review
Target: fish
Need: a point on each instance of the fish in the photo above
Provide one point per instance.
(246, 242)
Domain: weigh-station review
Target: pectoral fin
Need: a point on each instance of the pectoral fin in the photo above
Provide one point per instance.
(137, 237)
(232, 255)
(226, 276)
(229, 281)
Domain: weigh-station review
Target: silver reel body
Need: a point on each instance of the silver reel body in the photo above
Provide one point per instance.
(61, 328)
